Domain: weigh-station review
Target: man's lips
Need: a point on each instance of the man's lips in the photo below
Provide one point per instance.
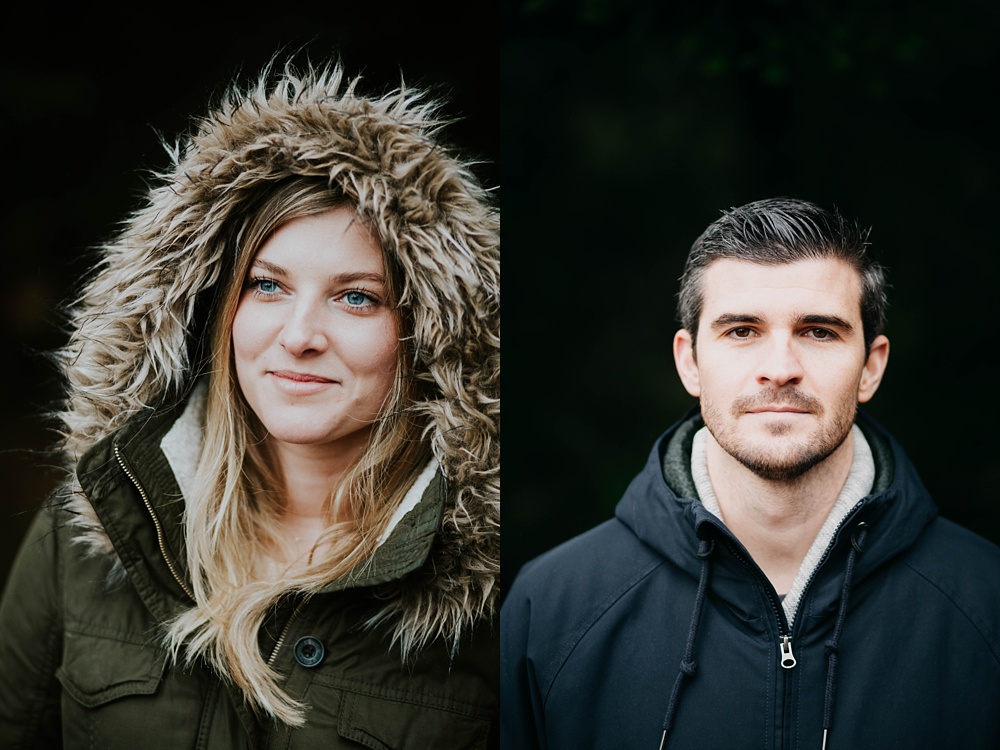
(777, 401)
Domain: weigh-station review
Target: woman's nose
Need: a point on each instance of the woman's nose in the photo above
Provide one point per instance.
(303, 331)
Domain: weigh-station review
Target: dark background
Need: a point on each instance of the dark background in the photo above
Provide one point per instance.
(628, 126)
(83, 102)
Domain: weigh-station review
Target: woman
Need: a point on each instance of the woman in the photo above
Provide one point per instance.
(282, 420)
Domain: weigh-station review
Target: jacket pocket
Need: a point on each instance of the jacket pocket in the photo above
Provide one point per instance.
(385, 724)
(118, 694)
(97, 669)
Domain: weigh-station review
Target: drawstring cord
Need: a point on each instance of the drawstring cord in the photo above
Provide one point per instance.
(688, 665)
(833, 645)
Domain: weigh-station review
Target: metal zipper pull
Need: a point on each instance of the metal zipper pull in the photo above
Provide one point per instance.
(787, 658)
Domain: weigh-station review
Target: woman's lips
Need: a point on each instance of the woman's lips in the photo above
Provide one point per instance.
(299, 383)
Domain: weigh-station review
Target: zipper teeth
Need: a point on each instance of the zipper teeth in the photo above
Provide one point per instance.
(851, 515)
(156, 522)
(779, 613)
(826, 553)
(284, 632)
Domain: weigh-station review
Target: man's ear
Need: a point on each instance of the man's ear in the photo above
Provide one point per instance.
(874, 369)
(684, 360)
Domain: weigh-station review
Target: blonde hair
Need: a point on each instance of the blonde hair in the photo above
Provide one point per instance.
(232, 519)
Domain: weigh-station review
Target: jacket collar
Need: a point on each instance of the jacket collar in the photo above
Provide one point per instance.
(662, 509)
(131, 484)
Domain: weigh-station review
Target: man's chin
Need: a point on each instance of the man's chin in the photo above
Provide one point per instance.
(785, 462)
(781, 472)
(780, 425)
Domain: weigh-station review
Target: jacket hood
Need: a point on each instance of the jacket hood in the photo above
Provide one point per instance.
(668, 516)
(135, 328)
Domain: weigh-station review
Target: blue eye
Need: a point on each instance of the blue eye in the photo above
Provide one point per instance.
(357, 299)
(262, 287)
(267, 286)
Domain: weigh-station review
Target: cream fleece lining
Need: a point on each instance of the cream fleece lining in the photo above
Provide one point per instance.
(859, 484)
(182, 447)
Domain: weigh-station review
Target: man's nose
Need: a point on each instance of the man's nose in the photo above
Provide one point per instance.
(780, 363)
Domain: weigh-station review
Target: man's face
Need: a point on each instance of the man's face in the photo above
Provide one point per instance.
(780, 364)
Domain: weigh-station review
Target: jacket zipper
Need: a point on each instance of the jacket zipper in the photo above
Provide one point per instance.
(156, 522)
(284, 632)
(786, 658)
(852, 514)
(173, 568)
(785, 655)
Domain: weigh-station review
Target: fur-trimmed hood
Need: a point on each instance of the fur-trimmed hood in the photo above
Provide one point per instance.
(135, 327)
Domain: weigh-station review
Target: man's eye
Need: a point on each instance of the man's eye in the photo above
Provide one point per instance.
(741, 333)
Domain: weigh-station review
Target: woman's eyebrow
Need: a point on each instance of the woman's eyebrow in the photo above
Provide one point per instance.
(340, 278)
(351, 276)
(269, 267)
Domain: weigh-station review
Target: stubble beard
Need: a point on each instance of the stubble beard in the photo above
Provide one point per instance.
(786, 464)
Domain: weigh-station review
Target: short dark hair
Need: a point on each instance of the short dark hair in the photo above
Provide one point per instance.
(783, 230)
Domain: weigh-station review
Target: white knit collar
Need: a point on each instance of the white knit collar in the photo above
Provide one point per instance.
(859, 483)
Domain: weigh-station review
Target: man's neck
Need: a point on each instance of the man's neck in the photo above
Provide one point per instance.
(777, 521)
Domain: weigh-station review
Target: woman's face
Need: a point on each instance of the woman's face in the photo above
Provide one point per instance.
(314, 339)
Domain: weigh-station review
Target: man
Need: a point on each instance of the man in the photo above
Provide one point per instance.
(777, 576)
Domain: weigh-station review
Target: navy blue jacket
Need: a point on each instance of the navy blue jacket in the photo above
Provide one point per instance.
(659, 617)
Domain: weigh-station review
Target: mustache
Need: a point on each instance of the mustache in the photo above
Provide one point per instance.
(790, 396)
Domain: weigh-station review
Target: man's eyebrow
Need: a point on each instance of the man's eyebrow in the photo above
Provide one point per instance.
(728, 319)
(833, 321)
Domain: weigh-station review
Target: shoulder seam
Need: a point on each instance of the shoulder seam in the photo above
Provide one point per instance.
(979, 627)
(591, 619)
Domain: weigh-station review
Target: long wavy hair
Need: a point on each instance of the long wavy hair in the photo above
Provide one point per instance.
(232, 519)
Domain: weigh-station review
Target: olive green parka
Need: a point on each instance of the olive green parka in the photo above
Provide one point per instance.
(401, 653)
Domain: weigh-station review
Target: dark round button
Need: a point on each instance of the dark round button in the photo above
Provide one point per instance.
(309, 651)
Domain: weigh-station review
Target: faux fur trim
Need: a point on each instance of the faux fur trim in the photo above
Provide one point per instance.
(134, 327)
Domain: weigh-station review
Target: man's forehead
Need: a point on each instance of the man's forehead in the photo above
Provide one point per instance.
(830, 274)
(804, 286)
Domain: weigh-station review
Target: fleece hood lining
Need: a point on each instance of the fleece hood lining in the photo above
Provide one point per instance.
(182, 443)
(858, 485)
(182, 447)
